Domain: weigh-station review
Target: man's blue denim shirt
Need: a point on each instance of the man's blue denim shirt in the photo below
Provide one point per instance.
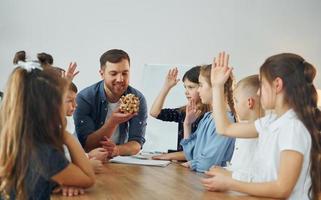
(92, 110)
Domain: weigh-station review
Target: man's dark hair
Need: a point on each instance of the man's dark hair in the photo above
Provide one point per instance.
(113, 56)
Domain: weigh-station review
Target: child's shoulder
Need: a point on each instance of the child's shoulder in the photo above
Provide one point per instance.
(50, 158)
(293, 135)
(290, 120)
(290, 127)
(207, 117)
(292, 124)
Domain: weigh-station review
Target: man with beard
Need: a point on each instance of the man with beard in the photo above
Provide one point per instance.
(98, 119)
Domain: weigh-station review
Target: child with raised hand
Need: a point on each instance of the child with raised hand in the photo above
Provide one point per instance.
(205, 147)
(287, 162)
(46, 60)
(32, 125)
(190, 80)
(97, 156)
(248, 109)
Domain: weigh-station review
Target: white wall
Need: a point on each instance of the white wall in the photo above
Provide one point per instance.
(168, 31)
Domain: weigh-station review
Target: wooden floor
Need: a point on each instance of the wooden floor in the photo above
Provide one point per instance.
(121, 181)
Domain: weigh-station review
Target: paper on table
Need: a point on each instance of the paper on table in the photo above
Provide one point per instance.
(137, 161)
(146, 155)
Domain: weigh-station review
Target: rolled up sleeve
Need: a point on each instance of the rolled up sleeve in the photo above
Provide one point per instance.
(216, 152)
(137, 125)
(188, 146)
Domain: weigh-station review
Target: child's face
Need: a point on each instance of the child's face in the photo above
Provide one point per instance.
(204, 90)
(70, 103)
(191, 91)
(268, 94)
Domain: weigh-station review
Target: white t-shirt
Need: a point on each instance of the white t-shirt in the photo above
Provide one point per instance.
(276, 135)
(111, 108)
(242, 158)
(70, 127)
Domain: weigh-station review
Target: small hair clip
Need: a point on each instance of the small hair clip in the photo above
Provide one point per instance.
(29, 65)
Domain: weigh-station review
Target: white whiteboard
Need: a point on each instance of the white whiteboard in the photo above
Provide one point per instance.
(160, 135)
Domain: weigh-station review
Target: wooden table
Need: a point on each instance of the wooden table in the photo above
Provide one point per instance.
(121, 181)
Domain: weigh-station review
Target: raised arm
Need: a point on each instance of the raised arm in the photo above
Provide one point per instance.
(192, 113)
(170, 81)
(71, 71)
(219, 74)
(188, 143)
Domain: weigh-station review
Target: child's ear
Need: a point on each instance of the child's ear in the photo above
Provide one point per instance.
(278, 84)
(250, 103)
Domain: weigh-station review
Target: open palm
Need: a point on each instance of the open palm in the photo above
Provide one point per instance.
(192, 113)
(171, 78)
(220, 69)
(71, 71)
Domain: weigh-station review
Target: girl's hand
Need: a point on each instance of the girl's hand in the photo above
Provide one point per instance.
(186, 164)
(220, 69)
(171, 78)
(97, 165)
(99, 154)
(217, 181)
(218, 170)
(192, 113)
(69, 191)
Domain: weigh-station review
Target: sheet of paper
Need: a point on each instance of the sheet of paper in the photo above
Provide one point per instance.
(146, 155)
(139, 161)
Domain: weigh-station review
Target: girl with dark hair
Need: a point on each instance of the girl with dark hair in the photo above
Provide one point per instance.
(287, 162)
(190, 80)
(32, 134)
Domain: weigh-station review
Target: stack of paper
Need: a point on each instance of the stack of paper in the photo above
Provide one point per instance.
(138, 161)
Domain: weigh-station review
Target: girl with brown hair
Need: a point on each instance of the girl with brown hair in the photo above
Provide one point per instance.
(190, 80)
(32, 134)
